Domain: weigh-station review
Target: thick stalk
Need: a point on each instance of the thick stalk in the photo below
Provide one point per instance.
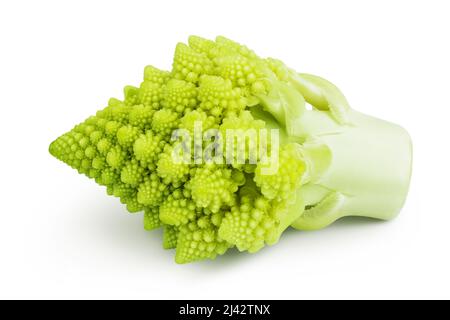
(368, 173)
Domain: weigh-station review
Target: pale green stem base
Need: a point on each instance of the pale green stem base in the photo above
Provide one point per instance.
(368, 174)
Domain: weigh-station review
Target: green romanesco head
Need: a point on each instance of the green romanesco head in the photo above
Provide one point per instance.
(204, 208)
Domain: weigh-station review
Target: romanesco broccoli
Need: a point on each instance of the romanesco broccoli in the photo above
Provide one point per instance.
(324, 164)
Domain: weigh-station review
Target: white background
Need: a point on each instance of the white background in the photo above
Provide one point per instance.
(61, 236)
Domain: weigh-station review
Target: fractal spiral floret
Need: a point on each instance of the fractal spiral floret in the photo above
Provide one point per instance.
(325, 163)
